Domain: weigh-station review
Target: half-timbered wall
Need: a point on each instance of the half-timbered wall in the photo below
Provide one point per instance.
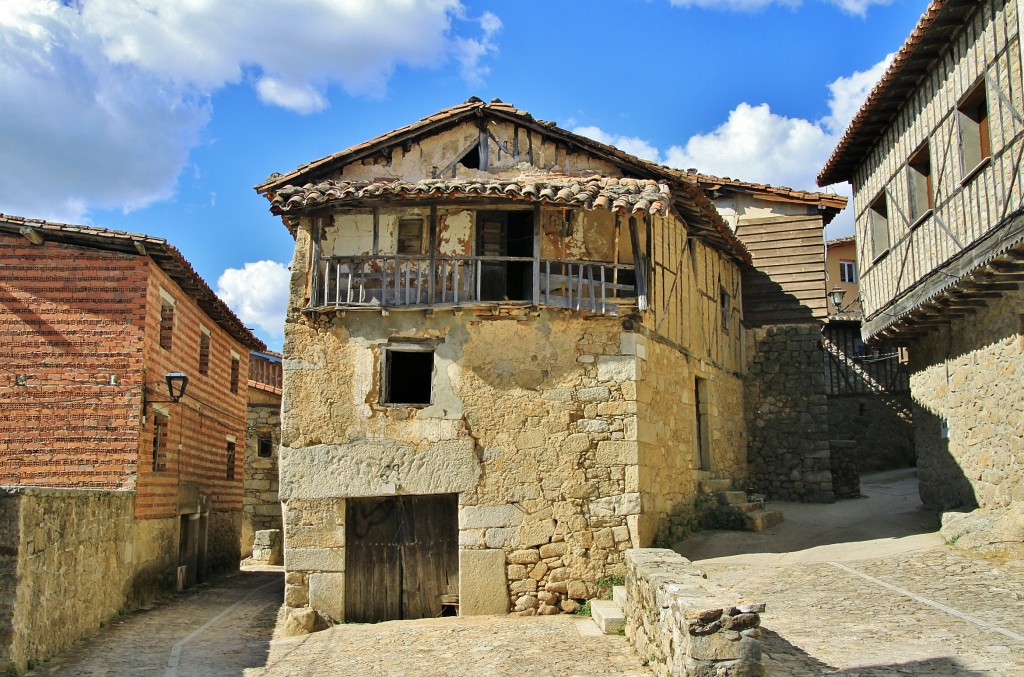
(968, 201)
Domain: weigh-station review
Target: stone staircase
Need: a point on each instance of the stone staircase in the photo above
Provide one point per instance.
(755, 516)
(608, 613)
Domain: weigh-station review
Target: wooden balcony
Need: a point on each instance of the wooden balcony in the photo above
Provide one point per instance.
(377, 282)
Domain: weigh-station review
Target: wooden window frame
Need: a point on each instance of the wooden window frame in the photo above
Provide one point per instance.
(236, 368)
(920, 191)
(848, 271)
(974, 130)
(878, 224)
(161, 433)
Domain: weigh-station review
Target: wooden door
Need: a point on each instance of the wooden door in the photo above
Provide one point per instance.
(401, 557)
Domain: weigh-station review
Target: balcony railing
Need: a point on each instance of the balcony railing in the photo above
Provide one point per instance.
(266, 372)
(410, 281)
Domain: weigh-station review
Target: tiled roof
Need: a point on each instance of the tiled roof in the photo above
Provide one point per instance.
(929, 39)
(626, 196)
(840, 240)
(769, 192)
(163, 254)
(688, 197)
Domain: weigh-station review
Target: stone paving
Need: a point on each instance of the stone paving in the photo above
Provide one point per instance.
(904, 604)
(823, 619)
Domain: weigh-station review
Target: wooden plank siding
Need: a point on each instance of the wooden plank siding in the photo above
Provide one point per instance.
(787, 282)
(968, 202)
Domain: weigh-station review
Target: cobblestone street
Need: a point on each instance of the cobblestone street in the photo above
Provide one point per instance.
(901, 604)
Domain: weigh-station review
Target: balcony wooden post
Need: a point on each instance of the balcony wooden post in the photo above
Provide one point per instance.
(536, 254)
(433, 255)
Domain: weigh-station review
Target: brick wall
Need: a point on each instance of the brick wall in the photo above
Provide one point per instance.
(198, 425)
(71, 330)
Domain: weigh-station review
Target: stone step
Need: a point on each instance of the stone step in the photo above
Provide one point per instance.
(747, 507)
(607, 615)
(712, 486)
(759, 520)
(731, 497)
(619, 596)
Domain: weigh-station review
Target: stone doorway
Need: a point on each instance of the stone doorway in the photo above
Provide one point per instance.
(401, 557)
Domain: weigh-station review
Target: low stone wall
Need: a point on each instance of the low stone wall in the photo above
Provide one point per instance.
(66, 564)
(685, 626)
(787, 414)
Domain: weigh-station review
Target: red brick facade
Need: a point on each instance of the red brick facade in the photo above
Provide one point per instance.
(82, 375)
(71, 354)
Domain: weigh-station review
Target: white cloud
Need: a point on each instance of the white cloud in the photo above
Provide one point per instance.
(102, 100)
(858, 7)
(630, 144)
(258, 293)
(757, 145)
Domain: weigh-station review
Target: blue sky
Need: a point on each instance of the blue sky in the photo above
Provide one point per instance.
(159, 117)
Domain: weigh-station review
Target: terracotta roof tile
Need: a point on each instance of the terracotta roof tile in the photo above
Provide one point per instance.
(929, 39)
(626, 196)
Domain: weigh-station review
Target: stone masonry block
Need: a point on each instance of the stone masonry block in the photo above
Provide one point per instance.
(482, 584)
(327, 594)
(315, 559)
(617, 453)
(487, 516)
(616, 368)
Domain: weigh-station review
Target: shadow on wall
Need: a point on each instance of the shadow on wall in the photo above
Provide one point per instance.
(784, 658)
(943, 483)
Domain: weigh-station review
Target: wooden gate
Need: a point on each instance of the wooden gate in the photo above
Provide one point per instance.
(401, 557)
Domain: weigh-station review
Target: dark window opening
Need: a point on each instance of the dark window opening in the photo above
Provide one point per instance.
(231, 461)
(166, 325)
(919, 177)
(266, 447)
(235, 368)
(502, 234)
(702, 431)
(408, 375)
(471, 160)
(204, 353)
(410, 237)
(726, 303)
(159, 443)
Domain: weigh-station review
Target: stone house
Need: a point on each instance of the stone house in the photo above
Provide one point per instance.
(934, 159)
(110, 490)
(262, 437)
(869, 408)
(511, 353)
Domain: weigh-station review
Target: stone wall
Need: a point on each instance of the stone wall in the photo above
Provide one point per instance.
(67, 564)
(880, 428)
(969, 376)
(682, 625)
(262, 507)
(669, 457)
(534, 424)
(787, 414)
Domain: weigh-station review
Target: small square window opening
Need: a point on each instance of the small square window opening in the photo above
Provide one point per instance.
(265, 448)
(408, 376)
(410, 237)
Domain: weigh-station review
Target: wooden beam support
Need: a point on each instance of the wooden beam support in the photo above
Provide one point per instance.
(32, 235)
